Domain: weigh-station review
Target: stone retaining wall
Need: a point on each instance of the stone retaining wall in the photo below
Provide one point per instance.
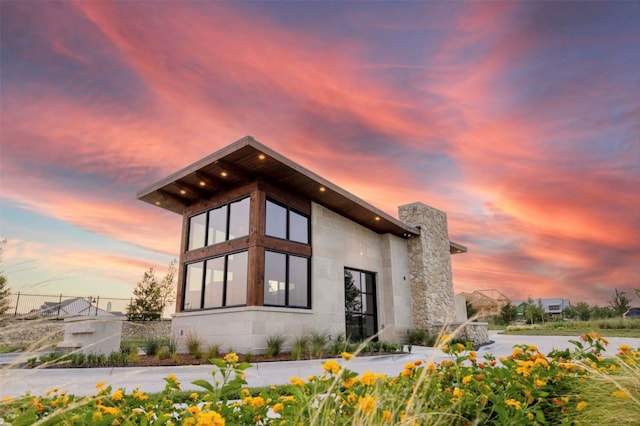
(47, 332)
(476, 332)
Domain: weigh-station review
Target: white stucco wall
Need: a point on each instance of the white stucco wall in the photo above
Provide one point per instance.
(337, 242)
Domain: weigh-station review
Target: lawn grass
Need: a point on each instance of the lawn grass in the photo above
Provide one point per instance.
(610, 327)
(7, 349)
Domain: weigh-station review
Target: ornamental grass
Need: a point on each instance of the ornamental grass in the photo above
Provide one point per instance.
(527, 387)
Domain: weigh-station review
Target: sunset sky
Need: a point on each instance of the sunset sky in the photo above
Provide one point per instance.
(521, 120)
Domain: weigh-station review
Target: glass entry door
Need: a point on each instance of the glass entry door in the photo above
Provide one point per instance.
(360, 304)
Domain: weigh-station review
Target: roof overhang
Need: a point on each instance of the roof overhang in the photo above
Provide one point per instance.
(246, 160)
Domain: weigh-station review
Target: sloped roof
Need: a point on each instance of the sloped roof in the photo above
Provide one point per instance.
(247, 159)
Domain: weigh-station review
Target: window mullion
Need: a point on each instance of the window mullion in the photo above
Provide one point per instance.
(286, 281)
(202, 282)
(224, 281)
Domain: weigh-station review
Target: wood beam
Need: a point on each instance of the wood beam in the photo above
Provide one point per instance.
(169, 196)
(213, 183)
(235, 170)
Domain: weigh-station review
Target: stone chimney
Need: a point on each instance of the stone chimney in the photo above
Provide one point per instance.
(432, 297)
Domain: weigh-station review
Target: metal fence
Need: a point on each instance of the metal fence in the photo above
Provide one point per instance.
(58, 306)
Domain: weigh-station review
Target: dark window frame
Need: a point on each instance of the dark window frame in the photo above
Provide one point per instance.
(287, 281)
(203, 278)
(363, 295)
(288, 209)
(226, 205)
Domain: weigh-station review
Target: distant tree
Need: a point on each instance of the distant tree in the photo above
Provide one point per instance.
(168, 286)
(580, 311)
(601, 312)
(471, 310)
(619, 302)
(533, 312)
(637, 292)
(4, 287)
(508, 314)
(152, 295)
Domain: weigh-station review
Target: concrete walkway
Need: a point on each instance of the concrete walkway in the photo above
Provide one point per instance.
(82, 381)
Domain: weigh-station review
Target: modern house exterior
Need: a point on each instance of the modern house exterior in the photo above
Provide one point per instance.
(270, 248)
(551, 306)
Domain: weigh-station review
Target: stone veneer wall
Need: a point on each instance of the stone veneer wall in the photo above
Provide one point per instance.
(431, 282)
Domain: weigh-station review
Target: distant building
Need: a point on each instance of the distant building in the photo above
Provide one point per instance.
(551, 306)
(270, 248)
(77, 306)
(487, 303)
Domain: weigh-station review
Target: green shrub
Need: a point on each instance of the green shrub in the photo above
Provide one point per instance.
(194, 344)
(318, 341)
(213, 351)
(151, 346)
(299, 347)
(274, 345)
(163, 353)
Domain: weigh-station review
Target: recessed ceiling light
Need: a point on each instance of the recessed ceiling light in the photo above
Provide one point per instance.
(157, 203)
(322, 189)
(202, 183)
(182, 191)
(223, 174)
(261, 156)
(377, 218)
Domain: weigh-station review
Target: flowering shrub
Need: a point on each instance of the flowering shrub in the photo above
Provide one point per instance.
(527, 387)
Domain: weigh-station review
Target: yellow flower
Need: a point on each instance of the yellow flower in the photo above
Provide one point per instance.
(466, 380)
(623, 349)
(193, 410)
(368, 378)
(457, 392)
(366, 404)
(231, 358)
(296, 381)
(346, 355)
(445, 338)
(97, 416)
(331, 366)
(532, 348)
(621, 394)
(189, 421)
(100, 384)
(7, 400)
(512, 403)
(530, 416)
(347, 383)
(257, 402)
(245, 392)
(539, 382)
(387, 416)
(117, 395)
(49, 392)
(278, 407)
(581, 405)
(211, 418)
(141, 396)
(194, 396)
(109, 411)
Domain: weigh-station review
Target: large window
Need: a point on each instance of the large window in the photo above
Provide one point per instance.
(216, 282)
(286, 280)
(223, 223)
(360, 304)
(286, 223)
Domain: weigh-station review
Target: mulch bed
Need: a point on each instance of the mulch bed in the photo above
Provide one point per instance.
(181, 359)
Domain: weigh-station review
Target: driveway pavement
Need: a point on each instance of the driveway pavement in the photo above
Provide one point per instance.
(82, 381)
